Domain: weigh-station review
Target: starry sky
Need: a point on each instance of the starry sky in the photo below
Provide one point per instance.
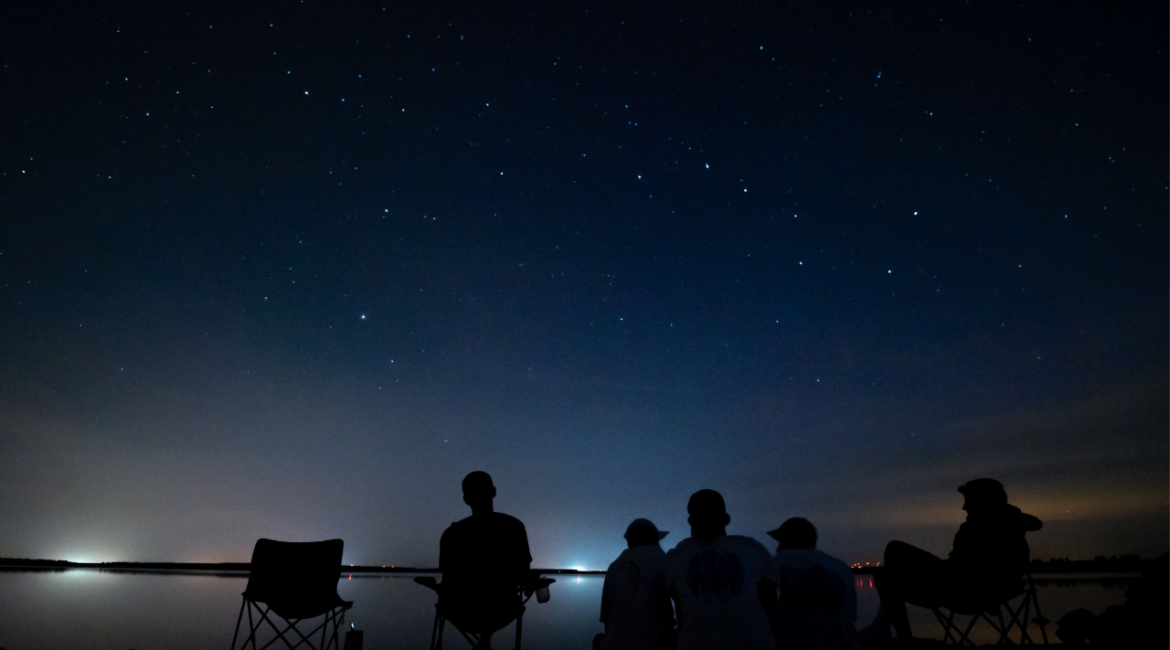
(292, 269)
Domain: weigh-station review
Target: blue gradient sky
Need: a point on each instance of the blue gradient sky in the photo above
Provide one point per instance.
(292, 270)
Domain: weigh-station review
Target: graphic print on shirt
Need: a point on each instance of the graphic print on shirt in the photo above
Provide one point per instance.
(713, 575)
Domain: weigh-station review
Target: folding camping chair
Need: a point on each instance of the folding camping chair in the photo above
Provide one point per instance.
(536, 585)
(1017, 608)
(292, 582)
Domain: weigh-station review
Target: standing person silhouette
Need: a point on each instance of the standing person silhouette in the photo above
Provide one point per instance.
(484, 560)
(986, 565)
(723, 586)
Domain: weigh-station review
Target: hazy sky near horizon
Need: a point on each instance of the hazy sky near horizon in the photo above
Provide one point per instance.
(292, 269)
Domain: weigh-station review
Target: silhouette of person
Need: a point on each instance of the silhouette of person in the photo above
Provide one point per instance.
(723, 586)
(818, 603)
(635, 607)
(484, 560)
(986, 565)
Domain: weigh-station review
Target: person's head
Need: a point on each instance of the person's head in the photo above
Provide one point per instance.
(478, 490)
(796, 532)
(983, 494)
(643, 532)
(708, 514)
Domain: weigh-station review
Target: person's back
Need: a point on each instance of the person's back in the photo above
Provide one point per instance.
(484, 560)
(718, 582)
(484, 556)
(990, 547)
(818, 602)
(635, 607)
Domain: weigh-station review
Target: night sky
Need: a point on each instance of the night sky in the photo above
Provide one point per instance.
(292, 269)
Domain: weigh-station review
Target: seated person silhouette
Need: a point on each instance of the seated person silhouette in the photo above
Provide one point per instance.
(986, 565)
(818, 602)
(723, 586)
(484, 560)
(635, 607)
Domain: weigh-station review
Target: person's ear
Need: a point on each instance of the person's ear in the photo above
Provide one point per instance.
(493, 492)
(726, 519)
(690, 521)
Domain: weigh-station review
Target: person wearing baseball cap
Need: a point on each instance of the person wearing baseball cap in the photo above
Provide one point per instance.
(818, 602)
(985, 566)
(635, 607)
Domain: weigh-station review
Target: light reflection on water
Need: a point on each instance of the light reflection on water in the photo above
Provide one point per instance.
(166, 611)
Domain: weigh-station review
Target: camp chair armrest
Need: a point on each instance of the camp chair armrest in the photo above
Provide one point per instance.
(537, 582)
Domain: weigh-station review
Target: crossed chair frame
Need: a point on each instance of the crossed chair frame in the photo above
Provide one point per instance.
(336, 616)
(1017, 619)
(471, 637)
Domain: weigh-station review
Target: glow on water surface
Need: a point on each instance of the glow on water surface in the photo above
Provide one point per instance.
(105, 610)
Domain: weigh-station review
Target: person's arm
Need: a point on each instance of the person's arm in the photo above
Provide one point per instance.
(766, 593)
(767, 587)
(444, 552)
(678, 612)
(522, 558)
(961, 548)
(605, 587)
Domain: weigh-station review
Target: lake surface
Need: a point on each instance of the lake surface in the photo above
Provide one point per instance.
(113, 610)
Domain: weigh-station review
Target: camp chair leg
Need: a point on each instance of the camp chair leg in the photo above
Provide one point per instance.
(325, 630)
(1039, 619)
(1020, 620)
(1001, 628)
(953, 634)
(946, 625)
(519, 625)
(436, 631)
(335, 617)
(966, 639)
(279, 633)
(238, 619)
(251, 629)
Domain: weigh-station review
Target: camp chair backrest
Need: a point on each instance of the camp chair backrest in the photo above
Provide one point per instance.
(296, 579)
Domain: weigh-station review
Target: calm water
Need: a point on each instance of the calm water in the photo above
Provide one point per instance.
(80, 609)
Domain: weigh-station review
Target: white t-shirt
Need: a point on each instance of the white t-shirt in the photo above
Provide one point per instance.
(818, 601)
(634, 604)
(715, 583)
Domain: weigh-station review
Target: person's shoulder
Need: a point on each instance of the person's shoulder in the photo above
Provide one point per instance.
(835, 563)
(501, 519)
(747, 542)
(683, 548)
(623, 557)
(456, 527)
(650, 550)
(796, 557)
(648, 554)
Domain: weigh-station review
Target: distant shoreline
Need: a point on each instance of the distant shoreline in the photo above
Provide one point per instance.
(216, 568)
(1124, 564)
